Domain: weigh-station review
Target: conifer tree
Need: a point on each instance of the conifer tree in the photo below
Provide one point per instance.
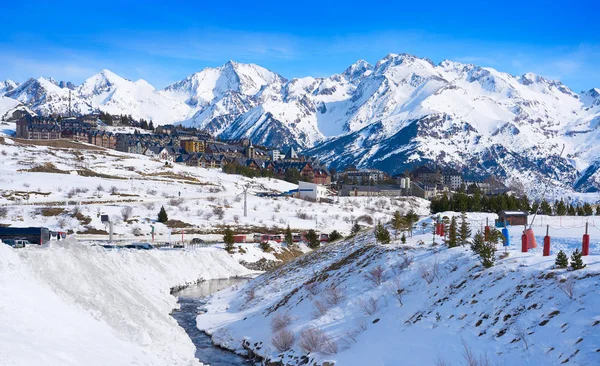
(162, 215)
(598, 210)
(561, 208)
(577, 261)
(562, 261)
(228, 239)
(382, 235)
(464, 230)
(403, 238)
(289, 238)
(487, 254)
(355, 229)
(334, 235)
(587, 209)
(571, 211)
(411, 219)
(313, 239)
(397, 223)
(477, 242)
(545, 208)
(580, 211)
(453, 233)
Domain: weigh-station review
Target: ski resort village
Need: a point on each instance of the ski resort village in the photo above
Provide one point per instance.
(399, 212)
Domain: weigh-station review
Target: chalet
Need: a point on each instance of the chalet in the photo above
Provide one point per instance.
(38, 128)
(424, 190)
(513, 218)
(192, 146)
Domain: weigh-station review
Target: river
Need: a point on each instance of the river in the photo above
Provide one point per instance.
(189, 300)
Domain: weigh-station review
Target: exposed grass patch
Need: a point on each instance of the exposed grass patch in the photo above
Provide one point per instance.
(45, 168)
(51, 211)
(174, 224)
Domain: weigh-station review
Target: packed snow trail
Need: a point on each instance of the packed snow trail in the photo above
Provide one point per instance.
(72, 304)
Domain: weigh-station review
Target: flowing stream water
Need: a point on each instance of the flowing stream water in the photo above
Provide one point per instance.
(189, 300)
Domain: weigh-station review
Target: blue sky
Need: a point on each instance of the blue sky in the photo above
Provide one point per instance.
(165, 41)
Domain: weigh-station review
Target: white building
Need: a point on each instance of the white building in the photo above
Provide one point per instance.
(311, 191)
(275, 155)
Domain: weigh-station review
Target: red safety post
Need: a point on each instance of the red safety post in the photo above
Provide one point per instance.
(585, 245)
(181, 236)
(524, 246)
(547, 242)
(487, 230)
(531, 239)
(442, 230)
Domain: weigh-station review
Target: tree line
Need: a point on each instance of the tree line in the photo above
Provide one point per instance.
(477, 202)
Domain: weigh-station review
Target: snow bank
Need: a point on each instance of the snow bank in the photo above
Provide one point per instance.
(74, 304)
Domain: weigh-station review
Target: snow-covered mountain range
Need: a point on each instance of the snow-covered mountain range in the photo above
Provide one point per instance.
(402, 111)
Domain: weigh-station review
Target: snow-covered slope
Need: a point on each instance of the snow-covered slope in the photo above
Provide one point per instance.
(72, 304)
(430, 306)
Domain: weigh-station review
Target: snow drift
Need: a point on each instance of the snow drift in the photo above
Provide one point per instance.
(72, 304)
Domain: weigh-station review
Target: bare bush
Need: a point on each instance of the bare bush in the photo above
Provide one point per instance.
(471, 359)
(149, 205)
(430, 272)
(62, 223)
(303, 215)
(236, 219)
(283, 340)
(281, 321)
(126, 213)
(567, 286)
(136, 231)
(404, 262)
(366, 219)
(100, 188)
(250, 294)
(151, 192)
(113, 190)
(76, 210)
(313, 339)
(3, 212)
(375, 275)
(214, 189)
(312, 288)
(219, 212)
(369, 306)
(320, 309)
(520, 331)
(396, 289)
(334, 295)
(175, 202)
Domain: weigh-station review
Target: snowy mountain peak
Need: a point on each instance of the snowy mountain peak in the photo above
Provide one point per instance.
(591, 97)
(7, 85)
(357, 70)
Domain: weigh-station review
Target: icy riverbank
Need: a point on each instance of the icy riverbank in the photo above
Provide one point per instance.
(71, 304)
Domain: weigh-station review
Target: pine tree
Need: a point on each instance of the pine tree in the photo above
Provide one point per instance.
(289, 238)
(334, 235)
(397, 223)
(562, 261)
(487, 254)
(598, 210)
(561, 208)
(382, 235)
(580, 211)
(577, 261)
(162, 215)
(355, 229)
(313, 239)
(545, 207)
(403, 239)
(228, 239)
(477, 242)
(411, 219)
(151, 126)
(464, 230)
(571, 210)
(587, 209)
(453, 233)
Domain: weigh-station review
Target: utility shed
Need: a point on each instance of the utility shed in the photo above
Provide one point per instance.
(514, 218)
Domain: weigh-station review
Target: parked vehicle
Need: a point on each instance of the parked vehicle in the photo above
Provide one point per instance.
(37, 235)
(197, 241)
(16, 243)
(143, 246)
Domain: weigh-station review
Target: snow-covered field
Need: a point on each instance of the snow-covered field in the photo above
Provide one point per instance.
(75, 304)
(511, 314)
(81, 185)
